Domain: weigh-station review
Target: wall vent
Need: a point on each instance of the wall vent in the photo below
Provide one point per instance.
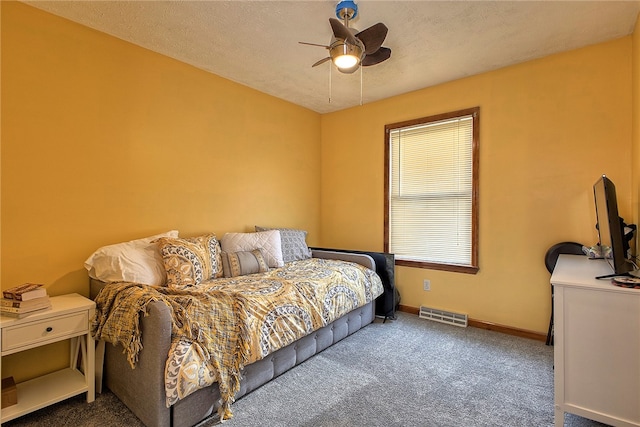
(443, 316)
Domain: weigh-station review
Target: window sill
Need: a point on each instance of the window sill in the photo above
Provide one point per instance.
(455, 268)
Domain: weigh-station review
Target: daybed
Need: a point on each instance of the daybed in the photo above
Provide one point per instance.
(160, 392)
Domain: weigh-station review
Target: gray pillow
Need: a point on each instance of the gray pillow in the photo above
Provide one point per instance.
(294, 243)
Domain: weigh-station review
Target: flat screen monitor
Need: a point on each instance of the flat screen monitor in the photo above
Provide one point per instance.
(610, 227)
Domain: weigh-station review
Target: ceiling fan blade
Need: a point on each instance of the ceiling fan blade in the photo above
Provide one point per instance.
(322, 61)
(341, 32)
(373, 37)
(382, 54)
(315, 44)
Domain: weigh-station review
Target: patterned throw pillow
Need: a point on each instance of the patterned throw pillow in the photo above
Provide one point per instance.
(189, 262)
(294, 243)
(241, 263)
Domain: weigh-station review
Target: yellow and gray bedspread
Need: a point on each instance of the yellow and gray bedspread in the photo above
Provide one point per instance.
(224, 324)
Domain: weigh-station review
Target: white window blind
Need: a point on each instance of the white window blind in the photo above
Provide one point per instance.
(431, 191)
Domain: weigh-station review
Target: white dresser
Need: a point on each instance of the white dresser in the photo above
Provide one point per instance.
(597, 344)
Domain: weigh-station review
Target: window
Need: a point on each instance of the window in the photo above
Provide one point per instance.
(431, 191)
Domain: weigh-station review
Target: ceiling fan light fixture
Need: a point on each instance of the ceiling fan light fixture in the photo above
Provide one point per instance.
(345, 61)
(345, 56)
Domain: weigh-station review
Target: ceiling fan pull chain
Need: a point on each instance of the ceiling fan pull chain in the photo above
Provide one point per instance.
(330, 67)
(361, 85)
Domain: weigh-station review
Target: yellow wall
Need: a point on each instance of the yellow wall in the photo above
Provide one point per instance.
(636, 128)
(548, 129)
(103, 141)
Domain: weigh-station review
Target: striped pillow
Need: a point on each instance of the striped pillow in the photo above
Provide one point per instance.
(244, 262)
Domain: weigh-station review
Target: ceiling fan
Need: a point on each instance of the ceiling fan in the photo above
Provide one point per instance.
(349, 48)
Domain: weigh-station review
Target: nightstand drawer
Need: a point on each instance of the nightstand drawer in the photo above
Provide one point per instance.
(44, 330)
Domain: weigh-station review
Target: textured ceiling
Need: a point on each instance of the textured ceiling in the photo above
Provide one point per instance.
(255, 43)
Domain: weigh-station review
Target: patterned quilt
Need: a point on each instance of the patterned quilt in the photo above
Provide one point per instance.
(228, 323)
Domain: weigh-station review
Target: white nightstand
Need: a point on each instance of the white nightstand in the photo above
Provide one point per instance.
(68, 319)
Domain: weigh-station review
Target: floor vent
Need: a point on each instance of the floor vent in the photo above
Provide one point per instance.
(442, 316)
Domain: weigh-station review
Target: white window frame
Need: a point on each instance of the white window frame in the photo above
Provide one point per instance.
(462, 256)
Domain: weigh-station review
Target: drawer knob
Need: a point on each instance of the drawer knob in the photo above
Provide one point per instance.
(49, 329)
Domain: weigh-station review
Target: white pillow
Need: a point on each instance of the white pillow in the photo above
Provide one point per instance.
(268, 241)
(136, 261)
(294, 243)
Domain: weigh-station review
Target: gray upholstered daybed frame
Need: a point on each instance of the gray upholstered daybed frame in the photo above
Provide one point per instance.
(142, 389)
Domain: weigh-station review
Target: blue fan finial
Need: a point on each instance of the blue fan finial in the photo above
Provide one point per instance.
(351, 9)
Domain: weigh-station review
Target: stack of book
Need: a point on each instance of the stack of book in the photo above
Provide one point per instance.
(23, 300)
